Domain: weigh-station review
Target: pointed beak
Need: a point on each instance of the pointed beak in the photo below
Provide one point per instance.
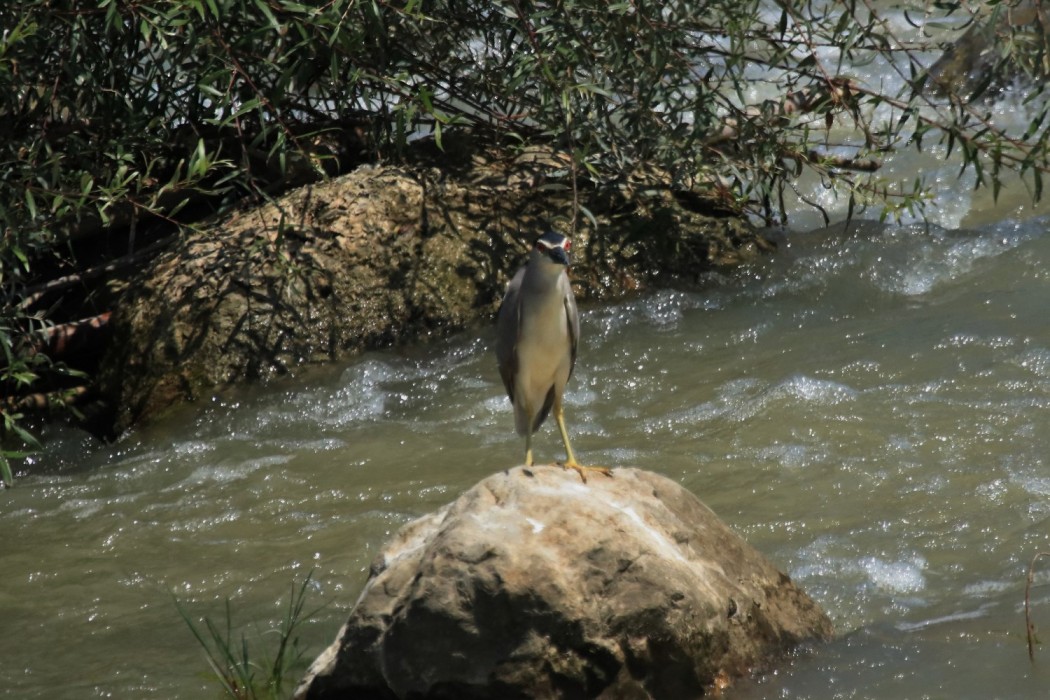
(559, 255)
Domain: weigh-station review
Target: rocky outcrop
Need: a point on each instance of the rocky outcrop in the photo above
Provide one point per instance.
(380, 256)
(533, 584)
(976, 62)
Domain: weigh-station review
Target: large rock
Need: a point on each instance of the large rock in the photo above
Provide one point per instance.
(379, 256)
(533, 584)
(977, 64)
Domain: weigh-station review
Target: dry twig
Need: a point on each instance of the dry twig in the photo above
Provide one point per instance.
(1029, 627)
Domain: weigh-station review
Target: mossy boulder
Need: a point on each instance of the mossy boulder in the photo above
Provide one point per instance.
(380, 256)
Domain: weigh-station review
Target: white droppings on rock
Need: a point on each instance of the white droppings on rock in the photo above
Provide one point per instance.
(663, 545)
(535, 581)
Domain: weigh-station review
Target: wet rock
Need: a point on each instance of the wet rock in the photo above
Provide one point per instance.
(380, 256)
(976, 63)
(533, 584)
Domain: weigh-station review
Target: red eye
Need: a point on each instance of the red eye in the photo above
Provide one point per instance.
(567, 245)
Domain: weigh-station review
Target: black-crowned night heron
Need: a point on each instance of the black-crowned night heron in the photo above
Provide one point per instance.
(537, 330)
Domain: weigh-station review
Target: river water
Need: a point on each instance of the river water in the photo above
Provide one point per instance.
(869, 408)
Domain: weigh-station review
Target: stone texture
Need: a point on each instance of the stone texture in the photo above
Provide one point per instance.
(533, 584)
(974, 66)
(379, 256)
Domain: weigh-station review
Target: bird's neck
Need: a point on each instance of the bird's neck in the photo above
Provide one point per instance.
(540, 264)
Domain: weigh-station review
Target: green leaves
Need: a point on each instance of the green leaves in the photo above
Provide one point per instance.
(244, 671)
(121, 113)
(198, 92)
(219, 96)
(19, 370)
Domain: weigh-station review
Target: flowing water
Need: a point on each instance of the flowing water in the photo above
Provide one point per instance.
(868, 408)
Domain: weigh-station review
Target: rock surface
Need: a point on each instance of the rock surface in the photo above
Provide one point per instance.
(974, 65)
(379, 256)
(533, 584)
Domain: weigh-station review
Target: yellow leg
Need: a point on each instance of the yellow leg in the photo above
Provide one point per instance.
(527, 410)
(571, 462)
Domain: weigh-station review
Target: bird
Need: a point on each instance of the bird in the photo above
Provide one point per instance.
(537, 335)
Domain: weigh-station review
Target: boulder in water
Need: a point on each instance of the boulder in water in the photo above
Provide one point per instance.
(534, 584)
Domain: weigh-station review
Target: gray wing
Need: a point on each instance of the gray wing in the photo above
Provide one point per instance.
(508, 321)
(572, 315)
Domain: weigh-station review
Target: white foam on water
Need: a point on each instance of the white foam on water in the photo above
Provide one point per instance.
(897, 577)
(791, 456)
(913, 262)
(983, 611)
(192, 448)
(1036, 361)
(228, 472)
(813, 390)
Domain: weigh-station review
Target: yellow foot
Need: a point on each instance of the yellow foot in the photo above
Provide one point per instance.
(580, 469)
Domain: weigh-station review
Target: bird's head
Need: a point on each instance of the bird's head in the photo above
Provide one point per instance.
(553, 246)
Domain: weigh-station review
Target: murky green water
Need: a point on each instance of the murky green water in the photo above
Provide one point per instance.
(871, 411)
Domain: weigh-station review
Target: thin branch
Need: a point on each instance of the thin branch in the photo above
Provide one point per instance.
(35, 293)
(41, 401)
(1029, 626)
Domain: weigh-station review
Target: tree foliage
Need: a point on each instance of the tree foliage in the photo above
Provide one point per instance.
(122, 118)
